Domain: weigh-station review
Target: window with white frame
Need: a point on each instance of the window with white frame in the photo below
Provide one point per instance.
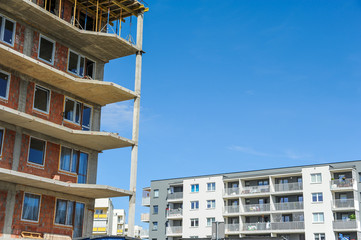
(155, 226)
(2, 134)
(319, 236)
(211, 186)
(64, 212)
(211, 204)
(36, 151)
(155, 209)
(78, 113)
(316, 178)
(194, 222)
(7, 30)
(99, 211)
(195, 188)
(31, 207)
(194, 205)
(317, 197)
(74, 161)
(76, 63)
(41, 99)
(156, 193)
(318, 217)
(210, 221)
(46, 49)
(4, 85)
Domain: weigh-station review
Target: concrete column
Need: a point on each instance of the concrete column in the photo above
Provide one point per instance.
(28, 41)
(22, 95)
(17, 148)
(96, 119)
(9, 211)
(99, 71)
(92, 168)
(135, 134)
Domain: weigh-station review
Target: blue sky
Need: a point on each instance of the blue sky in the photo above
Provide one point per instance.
(239, 85)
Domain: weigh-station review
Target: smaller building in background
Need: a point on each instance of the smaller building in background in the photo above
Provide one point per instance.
(118, 222)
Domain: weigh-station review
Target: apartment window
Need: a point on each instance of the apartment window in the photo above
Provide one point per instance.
(83, 167)
(155, 226)
(210, 221)
(4, 85)
(156, 193)
(78, 220)
(211, 186)
(31, 207)
(195, 188)
(318, 218)
(319, 236)
(77, 112)
(99, 211)
(316, 178)
(359, 176)
(2, 133)
(317, 197)
(37, 151)
(46, 49)
(76, 63)
(41, 99)
(64, 212)
(69, 159)
(211, 204)
(7, 30)
(194, 205)
(155, 209)
(194, 222)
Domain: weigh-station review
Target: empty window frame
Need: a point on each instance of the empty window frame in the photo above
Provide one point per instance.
(211, 204)
(77, 112)
(64, 212)
(41, 99)
(36, 151)
(31, 207)
(194, 222)
(2, 134)
(4, 85)
(46, 49)
(317, 197)
(211, 186)
(195, 188)
(316, 178)
(7, 30)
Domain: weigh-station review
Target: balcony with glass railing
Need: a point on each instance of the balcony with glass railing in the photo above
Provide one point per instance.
(229, 192)
(285, 206)
(257, 207)
(285, 187)
(232, 228)
(256, 189)
(343, 203)
(174, 231)
(287, 225)
(144, 217)
(175, 196)
(346, 183)
(146, 201)
(144, 233)
(231, 209)
(175, 213)
(259, 226)
(345, 224)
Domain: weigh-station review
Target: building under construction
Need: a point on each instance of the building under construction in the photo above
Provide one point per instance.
(52, 57)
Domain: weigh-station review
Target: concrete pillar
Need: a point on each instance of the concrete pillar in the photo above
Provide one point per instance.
(92, 168)
(22, 95)
(9, 211)
(96, 119)
(99, 71)
(135, 134)
(28, 41)
(17, 148)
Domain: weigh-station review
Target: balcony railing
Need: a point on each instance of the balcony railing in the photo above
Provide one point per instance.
(144, 217)
(232, 228)
(343, 203)
(287, 225)
(175, 212)
(289, 206)
(257, 207)
(231, 191)
(146, 201)
(342, 183)
(144, 233)
(340, 224)
(231, 209)
(174, 230)
(256, 189)
(288, 187)
(263, 226)
(174, 196)
(102, 216)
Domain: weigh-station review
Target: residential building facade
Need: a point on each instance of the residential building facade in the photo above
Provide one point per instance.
(313, 202)
(52, 57)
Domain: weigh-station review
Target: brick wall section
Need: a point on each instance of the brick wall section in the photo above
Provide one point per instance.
(3, 195)
(61, 57)
(34, 49)
(6, 158)
(51, 164)
(19, 38)
(13, 99)
(67, 11)
(46, 218)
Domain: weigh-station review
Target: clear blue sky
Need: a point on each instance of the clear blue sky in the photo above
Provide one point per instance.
(239, 85)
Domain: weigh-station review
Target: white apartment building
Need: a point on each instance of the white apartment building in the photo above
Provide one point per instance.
(314, 202)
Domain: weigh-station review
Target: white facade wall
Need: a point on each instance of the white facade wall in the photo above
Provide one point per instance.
(116, 214)
(202, 213)
(318, 207)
